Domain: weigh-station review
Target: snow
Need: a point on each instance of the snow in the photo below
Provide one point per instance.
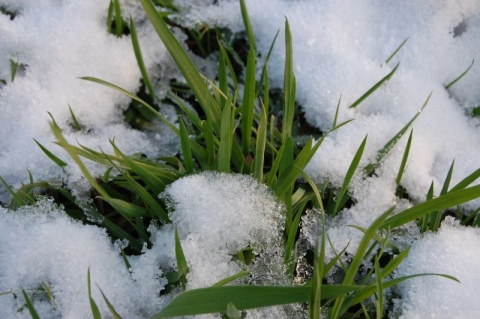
(340, 49)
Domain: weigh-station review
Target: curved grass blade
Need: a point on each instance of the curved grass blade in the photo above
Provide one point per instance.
(449, 85)
(114, 313)
(93, 306)
(375, 87)
(76, 124)
(248, 25)
(451, 199)
(403, 164)
(466, 181)
(50, 155)
(139, 57)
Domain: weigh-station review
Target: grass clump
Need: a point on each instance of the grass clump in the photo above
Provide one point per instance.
(226, 133)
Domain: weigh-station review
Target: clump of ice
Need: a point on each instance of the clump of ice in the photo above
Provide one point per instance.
(452, 251)
(217, 215)
(41, 244)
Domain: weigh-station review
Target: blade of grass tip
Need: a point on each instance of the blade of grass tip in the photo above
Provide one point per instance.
(381, 154)
(114, 313)
(181, 260)
(186, 148)
(138, 55)
(13, 69)
(449, 85)
(136, 98)
(352, 271)
(348, 177)
(93, 306)
(110, 17)
(264, 75)
(375, 87)
(288, 86)
(118, 18)
(227, 280)
(50, 155)
(125, 260)
(403, 164)
(183, 62)
(437, 216)
(336, 112)
(396, 51)
(222, 80)
(229, 64)
(248, 25)
(466, 181)
(261, 146)
(51, 298)
(20, 201)
(248, 104)
(76, 124)
(451, 199)
(30, 307)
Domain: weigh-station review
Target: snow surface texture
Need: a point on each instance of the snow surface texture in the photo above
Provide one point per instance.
(340, 49)
(55, 43)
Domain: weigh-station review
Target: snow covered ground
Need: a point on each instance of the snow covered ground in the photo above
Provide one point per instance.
(340, 49)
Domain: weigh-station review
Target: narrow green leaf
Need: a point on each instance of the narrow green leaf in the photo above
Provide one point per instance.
(403, 164)
(375, 87)
(20, 200)
(224, 53)
(138, 55)
(186, 148)
(30, 307)
(451, 199)
(110, 17)
(348, 177)
(227, 280)
(50, 155)
(93, 306)
(449, 85)
(114, 313)
(288, 86)
(437, 215)
(336, 112)
(126, 209)
(248, 104)
(13, 69)
(76, 124)
(226, 135)
(261, 146)
(181, 260)
(118, 18)
(466, 181)
(216, 299)
(396, 51)
(248, 25)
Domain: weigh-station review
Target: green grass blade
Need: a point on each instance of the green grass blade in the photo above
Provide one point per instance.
(216, 299)
(186, 148)
(30, 307)
(437, 215)
(396, 51)
(181, 260)
(19, 199)
(261, 146)
(226, 136)
(114, 313)
(449, 85)
(375, 87)
(93, 306)
(348, 177)
(110, 17)
(336, 112)
(466, 181)
(76, 124)
(224, 53)
(50, 155)
(141, 64)
(403, 164)
(288, 86)
(264, 75)
(191, 74)
(118, 18)
(392, 142)
(248, 104)
(379, 292)
(248, 25)
(451, 199)
(126, 209)
(13, 69)
(425, 219)
(227, 280)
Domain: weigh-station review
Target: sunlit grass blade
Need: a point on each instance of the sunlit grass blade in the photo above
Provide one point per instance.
(138, 55)
(396, 51)
(381, 154)
(183, 62)
(403, 164)
(50, 155)
(216, 299)
(348, 177)
(114, 313)
(93, 306)
(31, 309)
(375, 87)
(248, 104)
(288, 86)
(451, 199)
(248, 25)
(449, 85)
